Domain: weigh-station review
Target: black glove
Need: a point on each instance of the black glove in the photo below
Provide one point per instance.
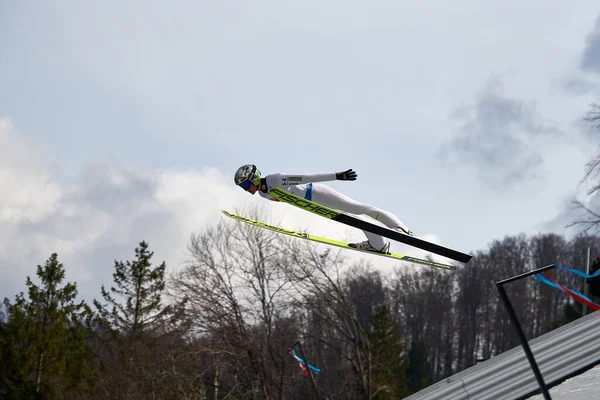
(348, 175)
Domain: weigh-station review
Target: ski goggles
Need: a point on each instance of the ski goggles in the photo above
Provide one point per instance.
(245, 185)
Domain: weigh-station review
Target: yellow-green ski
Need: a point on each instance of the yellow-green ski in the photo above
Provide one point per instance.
(334, 215)
(337, 243)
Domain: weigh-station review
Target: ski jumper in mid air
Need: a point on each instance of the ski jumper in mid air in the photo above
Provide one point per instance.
(248, 177)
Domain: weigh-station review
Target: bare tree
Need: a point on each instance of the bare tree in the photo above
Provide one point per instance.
(590, 214)
(546, 301)
(475, 287)
(330, 292)
(593, 115)
(252, 293)
(366, 291)
(322, 292)
(424, 302)
(235, 284)
(509, 257)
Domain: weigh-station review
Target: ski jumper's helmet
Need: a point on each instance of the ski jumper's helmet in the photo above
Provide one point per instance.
(247, 174)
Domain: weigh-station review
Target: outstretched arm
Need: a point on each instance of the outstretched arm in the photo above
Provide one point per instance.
(283, 179)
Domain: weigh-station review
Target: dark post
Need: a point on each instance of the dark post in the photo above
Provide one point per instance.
(308, 369)
(519, 329)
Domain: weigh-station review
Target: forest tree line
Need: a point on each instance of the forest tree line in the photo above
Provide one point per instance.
(221, 326)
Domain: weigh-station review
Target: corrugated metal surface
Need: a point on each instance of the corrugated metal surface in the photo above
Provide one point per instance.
(508, 376)
(580, 387)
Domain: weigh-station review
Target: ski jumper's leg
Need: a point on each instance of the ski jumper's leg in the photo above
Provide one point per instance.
(331, 198)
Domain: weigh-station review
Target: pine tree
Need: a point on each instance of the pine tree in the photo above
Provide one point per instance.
(387, 354)
(140, 330)
(135, 305)
(419, 369)
(44, 352)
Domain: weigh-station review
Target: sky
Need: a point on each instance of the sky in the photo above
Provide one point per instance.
(122, 122)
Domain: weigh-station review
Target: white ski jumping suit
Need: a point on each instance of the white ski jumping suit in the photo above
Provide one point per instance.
(310, 188)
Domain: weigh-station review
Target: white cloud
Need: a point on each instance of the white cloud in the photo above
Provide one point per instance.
(28, 190)
(111, 208)
(102, 217)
